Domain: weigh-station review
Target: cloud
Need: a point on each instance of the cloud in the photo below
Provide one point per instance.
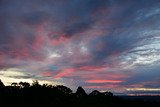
(72, 42)
(103, 81)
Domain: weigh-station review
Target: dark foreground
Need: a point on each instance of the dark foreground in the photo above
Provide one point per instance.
(24, 95)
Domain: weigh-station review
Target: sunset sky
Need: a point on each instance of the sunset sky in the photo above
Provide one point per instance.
(97, 44)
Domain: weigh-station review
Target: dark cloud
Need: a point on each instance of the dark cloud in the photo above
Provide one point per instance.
(148, 77)
(22, 77)
(75, 28)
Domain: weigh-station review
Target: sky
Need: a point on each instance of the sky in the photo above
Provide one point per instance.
(97, 44)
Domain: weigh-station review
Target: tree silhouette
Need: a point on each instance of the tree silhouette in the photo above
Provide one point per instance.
(64, 89)
(1, 84)
(61, 96)
(35, 83)
(45, 85)
(14, 84)
(107, 93)
(95, 93)
(80, 92)
(24, 84)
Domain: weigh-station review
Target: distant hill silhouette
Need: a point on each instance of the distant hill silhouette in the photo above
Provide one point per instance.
(23, 94)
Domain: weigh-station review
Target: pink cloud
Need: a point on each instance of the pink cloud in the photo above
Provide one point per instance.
(103, 81)
(60, 40)
(47, 73)
(107, 86)
(91, 68)
(39, 37)
(65, 72)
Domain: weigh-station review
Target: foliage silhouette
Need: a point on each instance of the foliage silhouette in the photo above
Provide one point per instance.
(64, 89)
(24, 84)
(95, 93)
(1, 84)
(36, 95)
(80, 92)
(14, 84)
(35, 83)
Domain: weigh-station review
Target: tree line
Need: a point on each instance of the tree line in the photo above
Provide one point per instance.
(36, 95)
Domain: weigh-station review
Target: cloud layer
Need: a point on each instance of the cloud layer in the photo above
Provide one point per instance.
(101, 44)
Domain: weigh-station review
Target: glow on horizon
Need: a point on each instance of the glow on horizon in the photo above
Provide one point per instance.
(16, 75)
(143, 94)
(143, 89)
